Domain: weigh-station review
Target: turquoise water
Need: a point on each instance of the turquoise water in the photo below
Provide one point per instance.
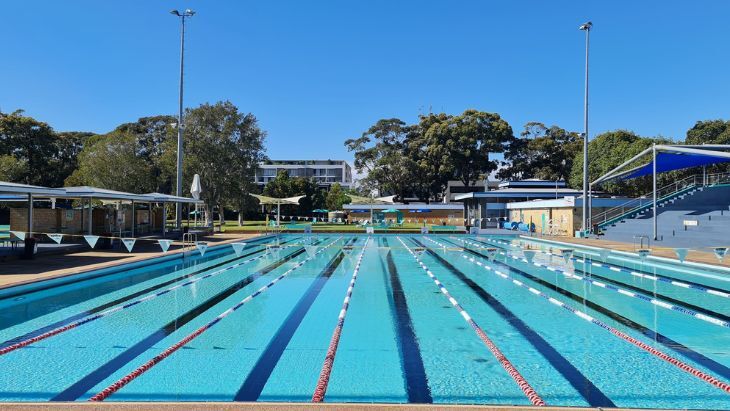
(402, 339)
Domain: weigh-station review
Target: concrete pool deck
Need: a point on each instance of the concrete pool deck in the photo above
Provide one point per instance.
(45, 267)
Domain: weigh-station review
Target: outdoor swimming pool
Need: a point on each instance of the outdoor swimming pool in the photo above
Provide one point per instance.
(380, 318)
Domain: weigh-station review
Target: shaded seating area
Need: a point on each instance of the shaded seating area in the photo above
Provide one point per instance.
(60, 218)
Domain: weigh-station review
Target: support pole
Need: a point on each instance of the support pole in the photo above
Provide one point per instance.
(134, 219)
(653, 166)
(90, 217)
(180, 128)
(278, 212)
(587, 28)
(164, 220)
(30, 214)
(590, 207)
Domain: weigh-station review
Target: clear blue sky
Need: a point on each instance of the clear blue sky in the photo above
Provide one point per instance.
(318, 72)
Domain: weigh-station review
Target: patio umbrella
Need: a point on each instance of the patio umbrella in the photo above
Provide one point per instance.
(195, 189)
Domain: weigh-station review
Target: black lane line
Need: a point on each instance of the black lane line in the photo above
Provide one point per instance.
(584, 257)
(676, 346)
(585, 387)
(120, 300)
(416, 380)
(80, 388)
(258, 376)
(116, 271)
(644, 291)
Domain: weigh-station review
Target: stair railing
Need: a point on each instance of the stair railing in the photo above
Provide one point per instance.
(663, 193)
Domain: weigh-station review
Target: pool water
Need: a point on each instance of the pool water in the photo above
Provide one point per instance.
(376, 318)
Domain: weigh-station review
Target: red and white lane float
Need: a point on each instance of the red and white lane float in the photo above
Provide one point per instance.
(113, 310)
(119, 384)
(642, 297)
(580, 314)
(329, 359)
(526, 388)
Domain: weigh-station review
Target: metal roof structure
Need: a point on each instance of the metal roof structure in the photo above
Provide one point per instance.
(518, 192)
(15, 188)
(406, 207)
(168, 198)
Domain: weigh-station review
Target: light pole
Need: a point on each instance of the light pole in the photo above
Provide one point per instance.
(587, 28)
(180, 125)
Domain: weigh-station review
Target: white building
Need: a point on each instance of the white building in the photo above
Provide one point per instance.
(324, 172)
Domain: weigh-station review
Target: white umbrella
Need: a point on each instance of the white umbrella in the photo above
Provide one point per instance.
(195, 191)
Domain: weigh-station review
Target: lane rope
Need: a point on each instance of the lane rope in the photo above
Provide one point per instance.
(616, 268)
(526, 388)
(580, 314)
(113, 310)
(642, 297)
(119, 384)
(329, 359)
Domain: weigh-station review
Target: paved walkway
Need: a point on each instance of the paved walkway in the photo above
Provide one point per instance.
(59, 265)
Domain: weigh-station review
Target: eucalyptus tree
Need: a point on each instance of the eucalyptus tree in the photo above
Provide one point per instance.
(380, 152)
(224, 146)
(463, 144)
(541, 152)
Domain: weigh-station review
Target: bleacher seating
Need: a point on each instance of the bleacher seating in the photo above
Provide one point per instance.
(709, 206)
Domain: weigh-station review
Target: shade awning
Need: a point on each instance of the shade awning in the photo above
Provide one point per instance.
(18, 189)
(667, 161)
(370, 200)
(168, 198)
(275, 201)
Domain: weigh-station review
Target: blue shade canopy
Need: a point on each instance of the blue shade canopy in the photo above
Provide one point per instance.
(674, 161)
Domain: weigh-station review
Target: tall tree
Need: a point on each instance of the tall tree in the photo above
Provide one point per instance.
(380, 153)
(432, 169)
(468, 140)
(32, 144)
(223, 146)
(111, 161)
(709, 132)
(65, 160)
(336, 197)
(154, 135)
(541, 152)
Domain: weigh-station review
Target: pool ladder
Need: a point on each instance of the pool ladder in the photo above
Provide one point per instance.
(640, 239)
(190, 239)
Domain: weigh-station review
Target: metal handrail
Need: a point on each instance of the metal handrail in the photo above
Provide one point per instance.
(189, 238)
(663, 193)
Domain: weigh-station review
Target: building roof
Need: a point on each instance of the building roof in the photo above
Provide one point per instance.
(103, 194)
(159, 197)
(404, 207)
(567, 202)
(15, 188)
(532, 182)
(520, 192)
